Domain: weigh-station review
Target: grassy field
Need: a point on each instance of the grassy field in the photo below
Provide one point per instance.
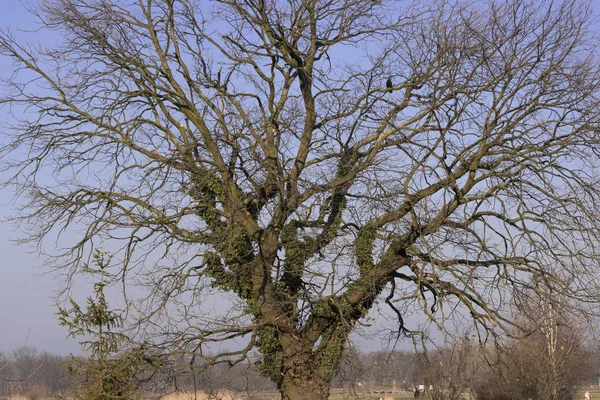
(347, 396)
(594, 394)
(372, 397)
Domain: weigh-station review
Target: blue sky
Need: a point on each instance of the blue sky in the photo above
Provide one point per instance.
(27, 312)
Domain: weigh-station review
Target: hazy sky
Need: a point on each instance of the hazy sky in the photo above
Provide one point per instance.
(27, 312)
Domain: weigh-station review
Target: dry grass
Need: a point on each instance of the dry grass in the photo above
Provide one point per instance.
(18, 397)
(374, 397)
(221, 395)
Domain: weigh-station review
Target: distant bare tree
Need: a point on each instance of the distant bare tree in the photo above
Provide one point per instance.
(27, 362)
(551, 361)
(307, 158)
(52, 375)
(450, 372)
(5, 373)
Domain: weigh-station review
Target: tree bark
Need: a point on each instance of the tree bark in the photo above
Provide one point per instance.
(301, 387)
(310, 361)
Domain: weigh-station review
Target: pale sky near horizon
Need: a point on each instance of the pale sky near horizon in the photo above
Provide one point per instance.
(27, 312)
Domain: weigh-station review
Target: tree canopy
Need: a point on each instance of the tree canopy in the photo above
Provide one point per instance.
(308, 158)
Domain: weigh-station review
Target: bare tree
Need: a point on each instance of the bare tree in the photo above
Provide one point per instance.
(27, 363)
(452, 371)
(551, 360)
(533, 368)
(6, 373)
(307, 158)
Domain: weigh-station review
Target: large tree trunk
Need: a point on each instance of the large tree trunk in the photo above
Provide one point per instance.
(307, 373)
(304, 388)
(310, 361)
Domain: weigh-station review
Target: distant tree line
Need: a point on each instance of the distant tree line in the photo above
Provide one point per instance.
(27, 370)
(450, 372)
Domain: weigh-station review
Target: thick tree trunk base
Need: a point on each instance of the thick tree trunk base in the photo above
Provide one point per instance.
(296, 389)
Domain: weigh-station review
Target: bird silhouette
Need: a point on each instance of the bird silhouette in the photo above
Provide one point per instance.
(389, 85)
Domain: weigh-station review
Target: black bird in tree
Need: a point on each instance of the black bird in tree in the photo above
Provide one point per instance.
(389, 85)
